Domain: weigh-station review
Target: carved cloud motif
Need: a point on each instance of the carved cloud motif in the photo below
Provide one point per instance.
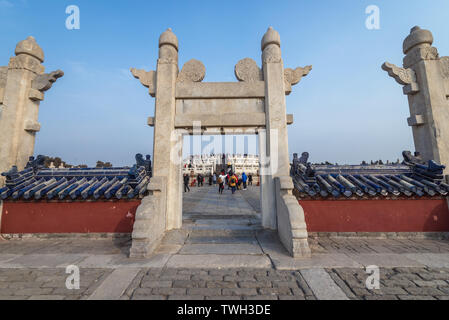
(405, 77)
(247, 70)
(146, 78)
(193, 70)
(401, 75)
(43, 82)
(294, 76)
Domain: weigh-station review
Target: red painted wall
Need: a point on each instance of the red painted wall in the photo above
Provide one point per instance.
(405, 215)
(68, 217)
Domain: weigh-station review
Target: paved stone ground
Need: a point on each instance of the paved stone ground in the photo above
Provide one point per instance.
(47, 284)
(395, 284)
(222, 253)
(213, 284)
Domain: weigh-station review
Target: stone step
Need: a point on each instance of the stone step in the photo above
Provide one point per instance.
(226, 239)
(221, 248)
(223, 232)
(204, 216)
(222, 222)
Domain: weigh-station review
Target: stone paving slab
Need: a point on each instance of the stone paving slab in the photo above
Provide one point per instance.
(435, 260)
(114, 286)
(284, 262)
(219, 261)
(43, 261)
(385, 260)
(322, 285)
(235, 248)
(8, 257)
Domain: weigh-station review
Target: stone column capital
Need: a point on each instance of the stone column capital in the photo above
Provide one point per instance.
(271, 47)
(168, 48)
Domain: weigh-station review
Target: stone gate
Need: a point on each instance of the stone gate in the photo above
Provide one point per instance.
(253, 105)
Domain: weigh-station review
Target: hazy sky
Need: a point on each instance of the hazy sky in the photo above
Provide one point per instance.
(346, 110)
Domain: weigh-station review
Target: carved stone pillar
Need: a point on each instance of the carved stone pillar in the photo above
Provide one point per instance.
(166, 170)
(22, 86)
(425, 77)
(281, 210)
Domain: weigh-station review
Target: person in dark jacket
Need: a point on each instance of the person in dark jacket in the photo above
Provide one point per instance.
(186, 183)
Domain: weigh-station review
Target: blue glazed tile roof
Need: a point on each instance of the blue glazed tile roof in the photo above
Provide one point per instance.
(410, 179)
(38, 183)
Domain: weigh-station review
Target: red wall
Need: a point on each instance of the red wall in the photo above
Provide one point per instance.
(406, 215)
(68, 217)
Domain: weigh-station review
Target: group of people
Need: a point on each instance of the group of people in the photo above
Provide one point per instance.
(232, 180)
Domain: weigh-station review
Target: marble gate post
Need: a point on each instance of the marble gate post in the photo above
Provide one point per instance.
(22, 86)
(425, 77)
(161, 210)
(280, 209)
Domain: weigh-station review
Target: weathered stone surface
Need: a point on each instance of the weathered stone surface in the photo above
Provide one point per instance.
(238, 248)
(115, 284)
(44, 82)
(293, 77)
(22, 84)
(433, 260)
(247, 70)
(192, 71)
(147, 79)
(385, 260)
(322, 285)
(218, 261)
(44, 260)
(424, 77)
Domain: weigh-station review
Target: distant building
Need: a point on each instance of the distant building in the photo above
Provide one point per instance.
(208, 164)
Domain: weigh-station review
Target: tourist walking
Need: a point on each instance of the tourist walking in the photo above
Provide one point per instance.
(250, 180)
(233, 183)
(200, 180)
(244, 179)
(186, 183)
(214, 178)
(221, 180)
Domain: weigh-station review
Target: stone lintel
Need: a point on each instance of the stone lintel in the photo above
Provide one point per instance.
(216, 131)
(150, 121)
(36, 95)
(416, 120)
(289, 119)
(256, 119)
(197, 90)
(223, 90)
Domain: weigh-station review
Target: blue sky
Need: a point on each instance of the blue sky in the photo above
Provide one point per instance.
(346, 110)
